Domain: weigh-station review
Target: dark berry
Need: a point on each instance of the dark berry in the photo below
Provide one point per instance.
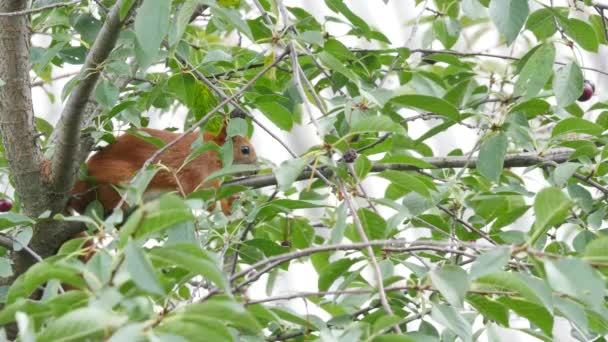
(588, 90)
(237, 113)
(350, 155)
(286, 243)
(5, 205)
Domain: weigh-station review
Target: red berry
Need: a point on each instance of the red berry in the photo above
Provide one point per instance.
(5, 204)
(588, 89)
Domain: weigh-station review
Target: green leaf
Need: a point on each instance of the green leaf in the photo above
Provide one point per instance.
(447, 30)
(531, 108)
(489, 262)
(289, 171)
(428, 103)
(82, 324)
(536, 71)
(41, 273)
(576, 125)
(141, 270)
(542, 23)
(336, 65)
(563, 172)
(277, 113)
(192, 258)
(182, 20)
(151, 26)
(223, 310)
(373, 224)
(451, 319)
(509, 17)
(581, 32)
(161, 214)
(406, 181)
(577, 279)
(8, 220)
(407, 160)
(574, 312)
(237, 127)
(143, 135)
(568, 84)
(362, 166)
(379, 123)
(452, 282)
(125, 8)
(330, 273)
(490, 309)
(231, 170)
(360, 26)
(386, 322)
(233, 17)
(492, 156)
(192, 328)
(550, 207)
(535, 313)
(530, 288)
(106, 93)
(597, 250)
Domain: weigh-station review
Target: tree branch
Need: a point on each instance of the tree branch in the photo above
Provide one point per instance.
(38, 9)
(19, 134)
(64, 163)
(514, 160)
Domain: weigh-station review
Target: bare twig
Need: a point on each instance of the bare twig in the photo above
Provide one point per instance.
(298, 84)
(372, 257)
(8, 242)
(408, 42)
(58, 77)
(365, 291)
(466, 224)
(248, 228)
(39, 9)
(514, 160)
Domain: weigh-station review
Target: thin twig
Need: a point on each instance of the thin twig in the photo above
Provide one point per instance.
(248, 228)
(407, 44)
(365, 291)
(449, 162)
(39, 9)
(8, 242)
(370, 251)
(466, 224)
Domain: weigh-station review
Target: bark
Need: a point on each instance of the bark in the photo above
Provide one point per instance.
(64, 163)
(19, 134)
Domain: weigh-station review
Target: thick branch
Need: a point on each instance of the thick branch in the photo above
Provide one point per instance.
(64, 164)
(513, 160)
(19, 134)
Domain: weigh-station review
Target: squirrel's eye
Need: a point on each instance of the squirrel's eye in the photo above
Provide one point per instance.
(245, 149)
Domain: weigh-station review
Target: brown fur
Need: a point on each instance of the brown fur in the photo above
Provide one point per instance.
(118, 162)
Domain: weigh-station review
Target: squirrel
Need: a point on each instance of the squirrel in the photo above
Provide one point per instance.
(118, 162)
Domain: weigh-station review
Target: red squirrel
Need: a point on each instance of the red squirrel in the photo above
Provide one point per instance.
(118, 162)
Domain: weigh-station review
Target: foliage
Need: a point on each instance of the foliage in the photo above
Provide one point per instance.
(452, 250)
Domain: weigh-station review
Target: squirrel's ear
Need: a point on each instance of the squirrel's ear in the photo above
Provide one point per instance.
(220, 138)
